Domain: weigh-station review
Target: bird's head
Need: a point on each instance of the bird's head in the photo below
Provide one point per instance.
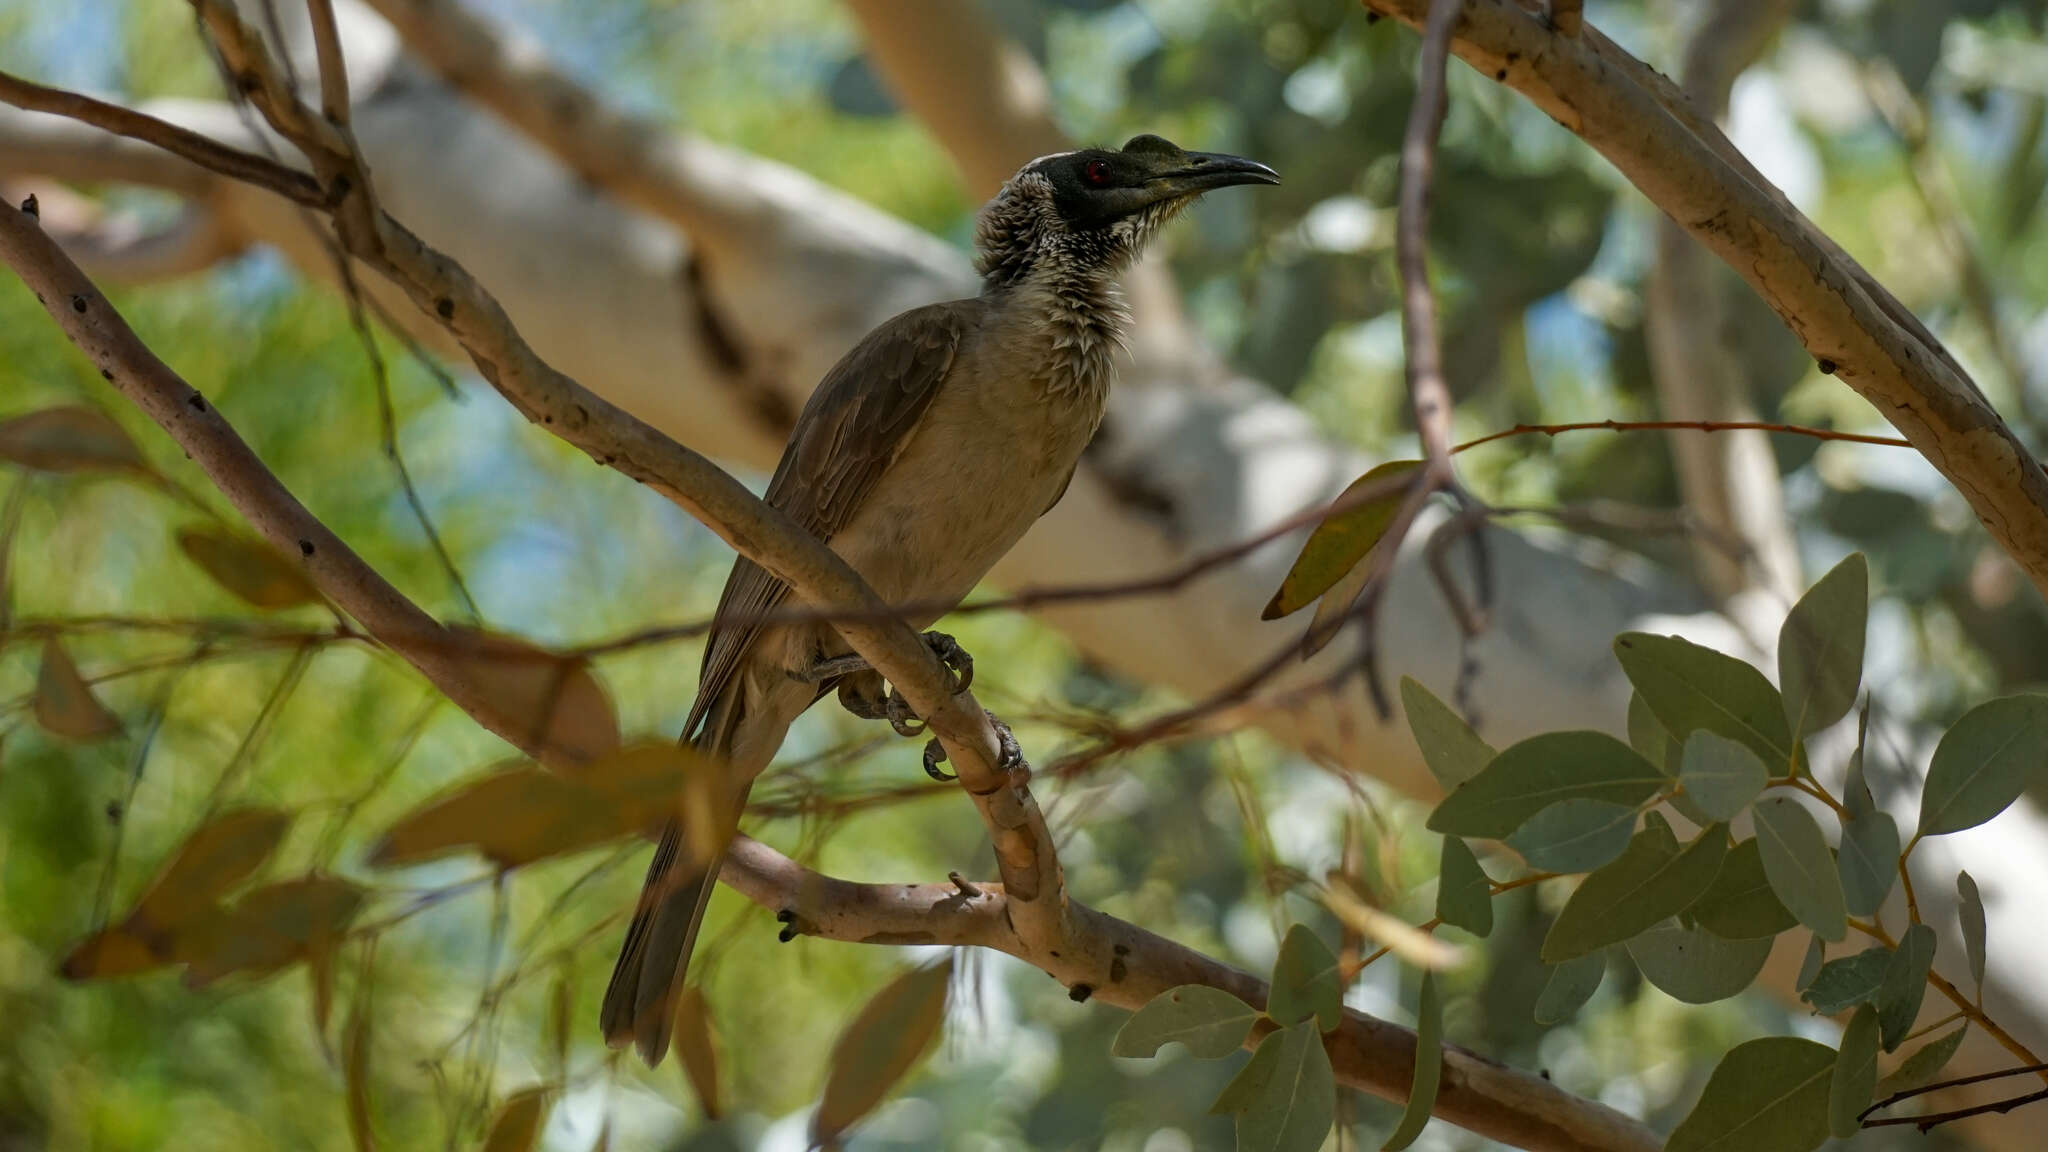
(1093, 210)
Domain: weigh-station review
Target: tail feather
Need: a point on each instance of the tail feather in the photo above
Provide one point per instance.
(639, 1003)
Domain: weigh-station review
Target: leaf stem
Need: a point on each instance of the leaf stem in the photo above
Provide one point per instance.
(1955, 996)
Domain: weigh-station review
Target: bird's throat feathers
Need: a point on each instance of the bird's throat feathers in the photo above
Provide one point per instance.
(1025, 250)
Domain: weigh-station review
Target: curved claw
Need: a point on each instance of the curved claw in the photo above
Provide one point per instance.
(954, 657)
(900, 717)
(935, 755)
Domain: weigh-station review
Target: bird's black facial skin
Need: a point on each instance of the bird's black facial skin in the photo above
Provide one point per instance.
(1096, 187)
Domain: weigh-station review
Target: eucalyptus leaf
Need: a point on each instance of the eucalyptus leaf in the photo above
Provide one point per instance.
(1575, 836)
(1451, 749)
(1541, 771)
(1923, 1064)
(1571, 984)
(1694, 966)
(1820, 647)
(1769, 1095)
(1646, 734)
(1210, 1022)
(1464, 895)
(1809, 966)
(1305, 981)
(1429, 1067)
(1690, 687)
(1842, 984)
(1801, 870)
(1982, 763)
(1286, 1097)
(1855, 1076)
(1904, 986)
(1856, 796)
(1970, 910)
(1721, 775)
(1868, 861)
(1649, 882)
(1741, 905)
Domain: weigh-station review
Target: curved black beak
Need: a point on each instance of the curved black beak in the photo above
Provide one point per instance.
(1201, 171)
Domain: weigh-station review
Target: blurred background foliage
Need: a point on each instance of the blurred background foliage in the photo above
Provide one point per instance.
(1542, 254)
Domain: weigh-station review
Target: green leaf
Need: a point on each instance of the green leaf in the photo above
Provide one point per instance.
(1464, 895)
(1741, 905)
(1340, 542)
(1453, 752)
(1820, 647)
(880, 1046)
(1429, 1067)
(1869, 861)
(1983, 762)
(1305, 981)
(1694, 966)
(1210, 1022)
(1921, 1067)
(1575, 836)
(1286, 1097)
(1649, 882)
(1541, 771)
(1768, 1095)
(1801, 870)
(1855, 1076)
(1970, 910)
(1842, 984)
(1571, 984)
(1855, 790)
(1904, 985)
(1809, 966)
(1690, 687)
(1647, 736)
(1721, 775)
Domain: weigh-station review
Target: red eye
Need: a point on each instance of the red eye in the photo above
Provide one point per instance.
(1096, 173)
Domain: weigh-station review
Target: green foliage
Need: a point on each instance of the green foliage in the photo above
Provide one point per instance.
(1695, 966)
(1983, 763)
(1970, 911)
(1569, 986)
(1429, 1067)
(1305, 981)
(1846, 982)
(1464, 895)
(1691, 688)
(1741, 904)
(1452, 750)
(1285, 1098)
(1720, 775)
(1820, 648)
(1209, 1022)
(1904, 985)
(1869, 861)
(1652, 880)
(1923, 1063)
(1855, 1076)
(1768, 1095)
(1575, 836)
(1544, 770)
(1342, 541)
(1801, 870)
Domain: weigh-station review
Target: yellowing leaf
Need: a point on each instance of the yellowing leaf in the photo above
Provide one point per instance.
(1341, 541)
(694, 1043)
(64, 703)
(880, 1046)
(211, 862)
(1400, 937)
(516, 1128)
(112, 952)
(249, 569)
(527, 813)
(555, 700)
(270, 928)
(70, 438)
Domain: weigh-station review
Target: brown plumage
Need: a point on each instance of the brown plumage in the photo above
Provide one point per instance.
(921, 459)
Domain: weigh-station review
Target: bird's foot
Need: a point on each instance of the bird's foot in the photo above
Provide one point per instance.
(1010, 758)
(954, 657)
(863, 695)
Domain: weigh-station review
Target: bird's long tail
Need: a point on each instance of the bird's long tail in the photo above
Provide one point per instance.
(639, 1004)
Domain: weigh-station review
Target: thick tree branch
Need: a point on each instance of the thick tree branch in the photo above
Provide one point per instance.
(1650, 131)
(1110, 960)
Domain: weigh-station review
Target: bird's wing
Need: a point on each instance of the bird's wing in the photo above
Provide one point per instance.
(850, 431)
